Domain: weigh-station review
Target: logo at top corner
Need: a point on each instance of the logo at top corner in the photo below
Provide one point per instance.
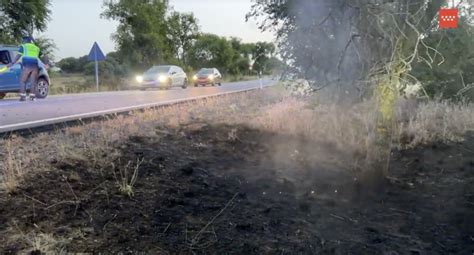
(448, 18)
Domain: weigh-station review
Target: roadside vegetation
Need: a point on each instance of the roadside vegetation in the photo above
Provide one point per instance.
(372, 51)
(114, 160)
(275, 111)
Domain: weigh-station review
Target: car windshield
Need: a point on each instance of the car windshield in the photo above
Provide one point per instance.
(158, 69)
(206, 71)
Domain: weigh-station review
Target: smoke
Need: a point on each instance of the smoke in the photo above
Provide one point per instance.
(321, 42)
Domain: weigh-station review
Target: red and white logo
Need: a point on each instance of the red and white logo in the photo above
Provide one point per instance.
(448, 18)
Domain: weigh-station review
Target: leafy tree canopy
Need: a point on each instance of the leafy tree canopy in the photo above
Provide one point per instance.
(141, 35)
(18, 18)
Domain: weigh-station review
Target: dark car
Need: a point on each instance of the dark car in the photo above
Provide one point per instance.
(10, 78)
(163, 77)
(207, 76)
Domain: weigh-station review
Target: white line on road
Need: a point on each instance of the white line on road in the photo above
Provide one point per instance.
(44, 122)
(10, 102)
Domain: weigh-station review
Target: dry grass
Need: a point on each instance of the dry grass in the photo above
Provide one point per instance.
(127, 176)
(80, 83)
(329, 123)
(96, 145)
(340, 136)
(13, 168)
(37, 242)
(44, 243)
(348, 130)
(431, 122)
(17, 158)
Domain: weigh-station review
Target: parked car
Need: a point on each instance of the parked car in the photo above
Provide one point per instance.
(207, 76)
(163, 77)
(10, 78)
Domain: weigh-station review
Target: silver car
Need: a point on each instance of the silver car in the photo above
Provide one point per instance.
(207, 76)
(163, 77)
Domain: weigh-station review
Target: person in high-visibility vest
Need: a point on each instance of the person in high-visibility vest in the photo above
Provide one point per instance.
(29, 55)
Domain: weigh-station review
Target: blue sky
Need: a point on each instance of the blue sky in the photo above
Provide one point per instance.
(75, 25)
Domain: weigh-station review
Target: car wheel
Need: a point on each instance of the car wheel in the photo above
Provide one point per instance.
(213, 84)
(185, 84)
(220, 84)
(42, 88)
(2, 95)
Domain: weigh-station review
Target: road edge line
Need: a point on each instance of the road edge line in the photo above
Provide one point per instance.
(18, 127)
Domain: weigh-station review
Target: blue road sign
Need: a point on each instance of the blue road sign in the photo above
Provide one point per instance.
(96, 53)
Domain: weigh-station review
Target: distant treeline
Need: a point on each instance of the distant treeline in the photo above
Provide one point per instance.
(230, 56)
(152, 33)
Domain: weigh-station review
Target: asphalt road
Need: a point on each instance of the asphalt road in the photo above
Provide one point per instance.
(15, 115)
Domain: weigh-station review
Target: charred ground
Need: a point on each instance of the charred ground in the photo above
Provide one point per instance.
(225, 189)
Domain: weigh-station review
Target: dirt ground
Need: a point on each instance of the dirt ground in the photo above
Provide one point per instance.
(232, 190)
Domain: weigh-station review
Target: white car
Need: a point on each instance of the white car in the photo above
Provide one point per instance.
(163, 77)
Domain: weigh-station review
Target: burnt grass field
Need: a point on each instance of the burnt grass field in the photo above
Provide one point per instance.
(232, 189)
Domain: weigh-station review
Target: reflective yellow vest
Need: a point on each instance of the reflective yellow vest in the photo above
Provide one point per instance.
(30, 51)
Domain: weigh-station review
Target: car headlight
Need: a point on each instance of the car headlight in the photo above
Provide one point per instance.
(139, 79)
(163, 78)
(195, 77)
(211, 77)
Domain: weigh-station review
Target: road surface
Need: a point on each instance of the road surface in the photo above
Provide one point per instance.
(15, 115)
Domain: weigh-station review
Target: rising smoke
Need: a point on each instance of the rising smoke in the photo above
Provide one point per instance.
(336, 44)
(321, 45)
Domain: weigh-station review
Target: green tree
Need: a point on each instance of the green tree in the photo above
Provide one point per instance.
(451, 76)
(141, 35)
(22, 17)
(258, 53)
(231, 56)
(109, 68)
(262, 52)
(241, 57)
(183, 29)
(73, 65)
(47, 48)
(211, 51)
(243, 49)
(275, 64)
